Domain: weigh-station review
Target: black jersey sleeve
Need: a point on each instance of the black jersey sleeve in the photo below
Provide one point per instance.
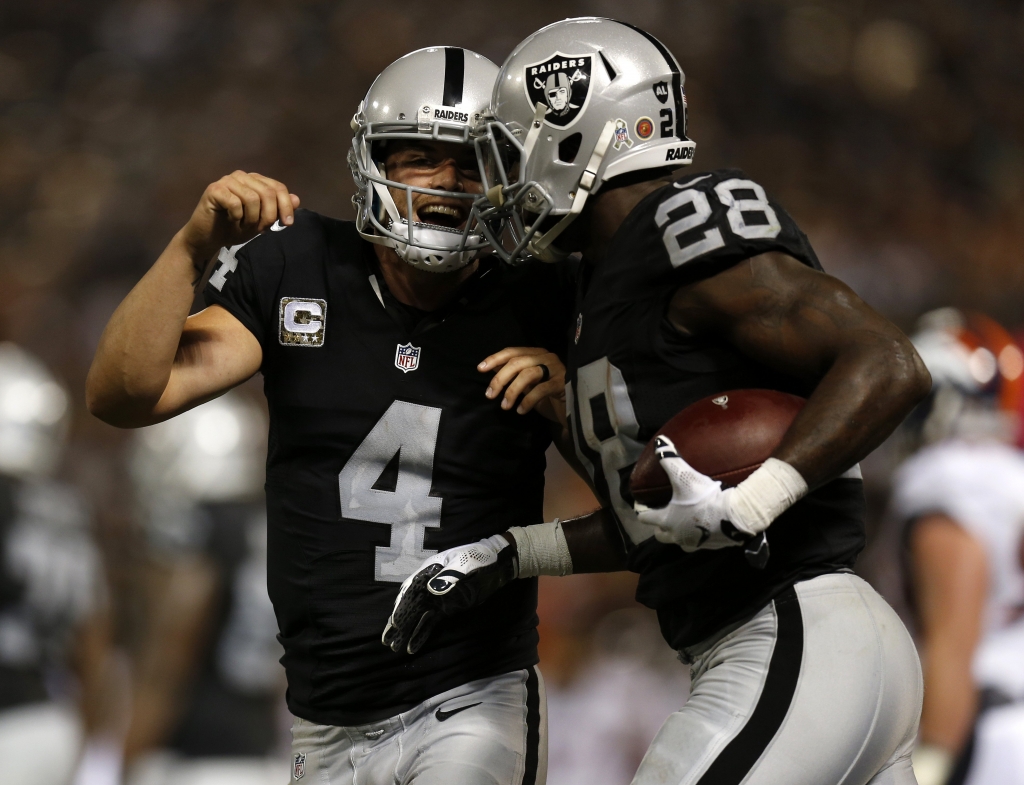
(238, 284)
(246, 279)
(704, 224)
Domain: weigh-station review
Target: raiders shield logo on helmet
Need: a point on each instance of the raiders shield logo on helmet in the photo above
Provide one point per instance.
(562, 83)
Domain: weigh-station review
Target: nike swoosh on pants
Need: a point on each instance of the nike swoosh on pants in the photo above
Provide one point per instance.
(443, 715)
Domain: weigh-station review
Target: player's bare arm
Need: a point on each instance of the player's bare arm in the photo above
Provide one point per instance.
(866, 374)
(154, 360)
(951, 582)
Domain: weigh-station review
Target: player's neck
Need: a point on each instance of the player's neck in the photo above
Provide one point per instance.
(419, 288)
(606, 212)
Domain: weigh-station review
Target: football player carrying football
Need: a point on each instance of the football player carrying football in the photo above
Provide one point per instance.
(387, 442)
(801, 673)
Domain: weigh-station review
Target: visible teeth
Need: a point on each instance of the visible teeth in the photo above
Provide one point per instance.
(443, 209)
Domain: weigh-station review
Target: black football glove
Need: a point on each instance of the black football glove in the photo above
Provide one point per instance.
(450, 582)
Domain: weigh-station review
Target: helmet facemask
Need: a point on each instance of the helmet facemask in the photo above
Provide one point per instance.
(613, 105)
(528, 208)
(432, 96)
(429, 246)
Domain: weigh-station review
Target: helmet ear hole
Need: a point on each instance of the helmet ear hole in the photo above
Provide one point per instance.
(569, 148)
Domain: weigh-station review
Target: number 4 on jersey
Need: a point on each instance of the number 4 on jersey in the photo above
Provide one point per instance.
(387, 480)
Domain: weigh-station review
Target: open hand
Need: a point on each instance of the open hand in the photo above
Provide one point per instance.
(528, 371)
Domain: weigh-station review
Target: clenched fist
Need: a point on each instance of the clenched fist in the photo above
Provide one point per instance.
(235, 209)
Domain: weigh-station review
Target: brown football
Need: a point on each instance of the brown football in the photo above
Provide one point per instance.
(725, 436)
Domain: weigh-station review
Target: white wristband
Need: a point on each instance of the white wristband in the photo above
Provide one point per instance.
(542, 549)
(767, 493)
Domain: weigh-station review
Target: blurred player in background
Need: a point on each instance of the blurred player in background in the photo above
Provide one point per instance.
(610, 678)
(208, 688)
(54, 625)
(389, 438)
(688, 288)
(961, 502)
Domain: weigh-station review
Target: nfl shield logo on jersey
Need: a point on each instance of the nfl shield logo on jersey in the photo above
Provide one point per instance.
(407, 357)
(299, 766)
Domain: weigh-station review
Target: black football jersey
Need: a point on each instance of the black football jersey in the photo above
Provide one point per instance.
(630, 371)
(50, 584)
(231, 707)
(383, 450)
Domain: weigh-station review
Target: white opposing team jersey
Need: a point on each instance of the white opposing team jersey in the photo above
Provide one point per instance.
(602, 723)
(981, 486)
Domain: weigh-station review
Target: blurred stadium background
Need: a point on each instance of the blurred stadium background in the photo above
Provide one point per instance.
(893, 133)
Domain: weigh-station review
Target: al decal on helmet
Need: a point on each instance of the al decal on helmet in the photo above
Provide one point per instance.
(562, 83)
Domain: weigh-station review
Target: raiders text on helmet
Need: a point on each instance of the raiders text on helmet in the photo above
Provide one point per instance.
(439, 94)
(582, 101)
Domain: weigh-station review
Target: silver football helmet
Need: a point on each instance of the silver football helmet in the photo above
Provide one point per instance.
(438, 93)
(212, 453)
(33, 415)
(581, 101)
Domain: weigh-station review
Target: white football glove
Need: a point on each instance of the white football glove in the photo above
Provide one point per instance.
(452, 581)
(699, 514)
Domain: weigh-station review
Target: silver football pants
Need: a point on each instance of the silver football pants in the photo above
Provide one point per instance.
(39, 744)
(822, 687)
(487, 732)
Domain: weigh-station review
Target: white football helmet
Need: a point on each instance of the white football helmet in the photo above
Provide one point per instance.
(582, 101)
(438, 93)
(212, 453)
(33, 415)
(977, 374)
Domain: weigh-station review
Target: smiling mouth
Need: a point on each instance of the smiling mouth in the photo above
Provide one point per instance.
(443, 215)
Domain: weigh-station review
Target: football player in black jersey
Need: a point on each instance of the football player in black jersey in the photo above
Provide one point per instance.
(59, 680)
(689, 287)
(207, 688)
(389, 439)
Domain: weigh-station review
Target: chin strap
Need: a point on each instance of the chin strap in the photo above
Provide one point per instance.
(541, 246)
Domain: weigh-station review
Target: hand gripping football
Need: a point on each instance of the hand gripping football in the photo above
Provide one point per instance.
(725, 436)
